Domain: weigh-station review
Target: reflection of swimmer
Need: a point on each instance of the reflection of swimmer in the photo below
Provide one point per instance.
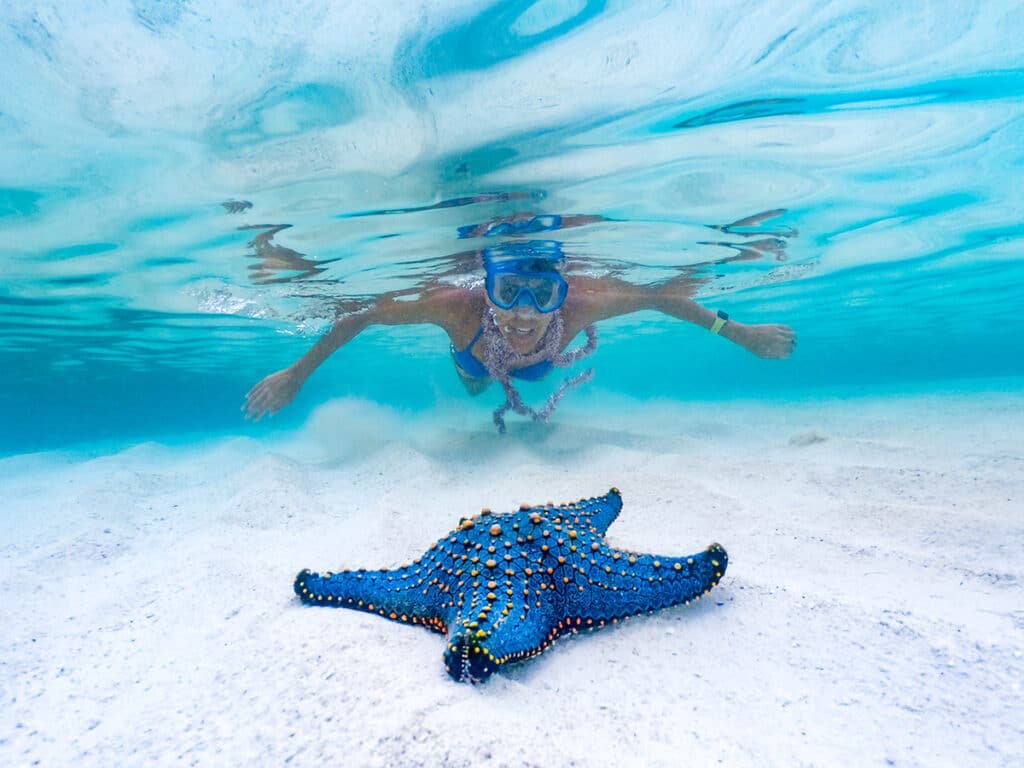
(773, 242)
(273, 258)
(455, 202)
(524, 223)
(519, 324)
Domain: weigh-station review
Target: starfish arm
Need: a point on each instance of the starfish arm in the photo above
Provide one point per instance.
(403, 594)
(613, 584)
(502, 615)
(523, 636)
(592, 515)
(475, 653)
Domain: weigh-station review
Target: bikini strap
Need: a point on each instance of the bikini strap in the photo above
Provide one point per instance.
(475, 339)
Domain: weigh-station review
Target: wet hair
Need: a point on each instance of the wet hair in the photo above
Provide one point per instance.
(526, 265)
(525, 256)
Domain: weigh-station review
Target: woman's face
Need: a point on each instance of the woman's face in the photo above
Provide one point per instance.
(522, 326)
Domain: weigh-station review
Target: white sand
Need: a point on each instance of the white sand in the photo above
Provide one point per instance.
(872, 614)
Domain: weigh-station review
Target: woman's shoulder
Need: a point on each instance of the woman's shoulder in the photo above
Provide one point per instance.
(457, 309)
(441, 305)
(587, 295)
(591, 299)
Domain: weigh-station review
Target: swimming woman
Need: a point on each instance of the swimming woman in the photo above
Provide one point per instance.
(518, 324)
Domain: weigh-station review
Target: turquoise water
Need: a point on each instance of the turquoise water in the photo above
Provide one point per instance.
(352, 143)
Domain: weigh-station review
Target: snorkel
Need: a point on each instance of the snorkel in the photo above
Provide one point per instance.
(526, 274)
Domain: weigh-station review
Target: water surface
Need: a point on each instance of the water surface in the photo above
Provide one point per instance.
(189, 192)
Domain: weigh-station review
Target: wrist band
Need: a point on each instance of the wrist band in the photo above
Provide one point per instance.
(720, 321)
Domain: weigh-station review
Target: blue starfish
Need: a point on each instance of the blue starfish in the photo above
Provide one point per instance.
(504, 587)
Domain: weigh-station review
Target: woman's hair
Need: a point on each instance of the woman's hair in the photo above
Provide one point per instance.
(527, 256)
(536, 265)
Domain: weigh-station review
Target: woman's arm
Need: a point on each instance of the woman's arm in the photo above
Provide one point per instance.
(440, 307)
(592, 300)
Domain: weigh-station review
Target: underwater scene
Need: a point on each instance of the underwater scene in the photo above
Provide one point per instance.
(662, 361)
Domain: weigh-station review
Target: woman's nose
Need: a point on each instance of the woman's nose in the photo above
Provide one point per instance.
(525, 301)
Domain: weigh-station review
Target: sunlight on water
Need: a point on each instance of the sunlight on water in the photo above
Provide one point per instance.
(191, 192)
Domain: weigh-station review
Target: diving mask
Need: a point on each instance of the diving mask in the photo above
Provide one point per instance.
(509, 287)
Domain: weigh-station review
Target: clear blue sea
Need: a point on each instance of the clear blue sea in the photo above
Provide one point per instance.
(189, 191)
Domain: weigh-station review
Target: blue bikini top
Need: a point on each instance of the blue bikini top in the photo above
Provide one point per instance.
(477, 370)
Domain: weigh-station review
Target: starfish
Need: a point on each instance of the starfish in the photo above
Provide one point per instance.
(504, 587)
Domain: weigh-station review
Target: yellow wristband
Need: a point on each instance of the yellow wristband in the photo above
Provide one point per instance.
(720, 321)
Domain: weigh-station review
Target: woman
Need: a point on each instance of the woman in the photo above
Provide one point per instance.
(518, 324)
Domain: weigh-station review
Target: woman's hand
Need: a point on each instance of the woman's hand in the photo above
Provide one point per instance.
(770, 340)
(272, 394)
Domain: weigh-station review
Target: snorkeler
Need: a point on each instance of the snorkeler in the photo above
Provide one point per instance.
(518, 324)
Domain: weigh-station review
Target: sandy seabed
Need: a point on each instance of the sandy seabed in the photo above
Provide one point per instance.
(872, 613)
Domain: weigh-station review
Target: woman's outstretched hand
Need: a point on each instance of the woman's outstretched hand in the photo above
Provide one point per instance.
(272, 394)
(770, 340)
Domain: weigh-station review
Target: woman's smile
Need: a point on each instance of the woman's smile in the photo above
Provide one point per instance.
(523, 329)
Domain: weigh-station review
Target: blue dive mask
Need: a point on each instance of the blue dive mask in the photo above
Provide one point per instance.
(508, 286)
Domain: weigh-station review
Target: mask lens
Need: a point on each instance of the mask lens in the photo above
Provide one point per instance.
(506, 291)
(545, 291)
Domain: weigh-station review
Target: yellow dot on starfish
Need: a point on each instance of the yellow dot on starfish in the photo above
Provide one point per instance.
(678, 566)
(490, 564)
(572, 534)
(491, 584)
(714, 563)
(632, 559)
(495, 530)
(595, 546)
(657, 563)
